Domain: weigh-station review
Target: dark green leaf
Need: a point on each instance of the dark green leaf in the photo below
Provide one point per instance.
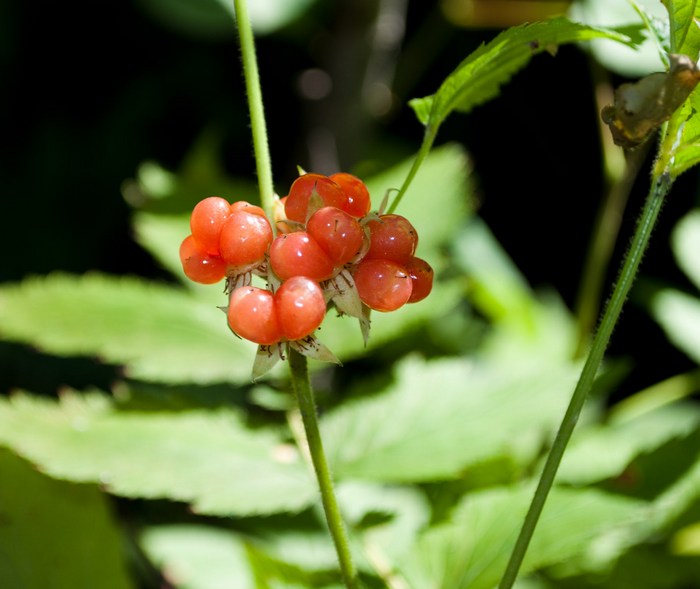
(56, 534)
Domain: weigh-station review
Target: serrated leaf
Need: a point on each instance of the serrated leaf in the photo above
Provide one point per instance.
(439, 417)
(479, 77)
(684, 17)
(471, 550)
(158, 332)
(207, 458)
(56, 534)
(680, 149)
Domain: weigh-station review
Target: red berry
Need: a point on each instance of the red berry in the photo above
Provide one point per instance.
(243, 205)
(244, 240)
(359, 201)
(253, 316)
(421, 274)
(198, 265)
(206, 220)
(383, 285)
(304, 187)
(338, 233)
(298, 254)
(300, 307)
(392, 237)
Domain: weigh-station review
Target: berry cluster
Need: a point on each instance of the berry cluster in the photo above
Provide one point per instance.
(328, 250)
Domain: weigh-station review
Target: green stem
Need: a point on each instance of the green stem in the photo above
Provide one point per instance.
(657, 193)
(255, 106)
(307, 408)
(428, 140)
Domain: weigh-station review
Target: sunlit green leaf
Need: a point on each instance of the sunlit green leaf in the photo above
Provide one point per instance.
(684, 16)
(685, 241)
(679, 316)
(441, 416)
(630, 62)
(681, 148)
(56, 534)
(157, 331)
(471, 550)
(192, 556)
(479, 77)
(604, 451)
(207, 458)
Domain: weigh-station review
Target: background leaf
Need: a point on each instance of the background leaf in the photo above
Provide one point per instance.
(207, 458)
(56, 534)
(393, 436)
(157, 331)
(471, 549)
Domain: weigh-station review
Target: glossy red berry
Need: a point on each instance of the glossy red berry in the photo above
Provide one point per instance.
(298, 254)
(300, 307)
(392, 237)
(244, 205)
(421, 274)
(198, 265)
(383, 285)
(304, 187)
(245, 238)
(338, 233)
(359, 201)
(206, 220)
(253, 316)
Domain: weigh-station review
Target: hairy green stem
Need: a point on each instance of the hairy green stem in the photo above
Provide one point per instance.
(307, 408)
(255, 105)
(428, 140)
(657, 193)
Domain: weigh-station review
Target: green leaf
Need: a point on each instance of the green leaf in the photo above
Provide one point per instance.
(604, 451)
(158, 332)
(680, 149)
(631, 62)
(679, 316)
(684, 16)
(685, 242)
(471, 549)
(56, 534)
(479, 77)
(195, 556)
(207, 458)
(215, 18)
(441, 416)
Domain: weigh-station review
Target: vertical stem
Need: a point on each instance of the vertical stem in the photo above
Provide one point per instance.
(297, 362)
(255, 106)
(307, 408)
(658, 191)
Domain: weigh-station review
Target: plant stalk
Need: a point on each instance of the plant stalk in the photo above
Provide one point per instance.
(307, 408)
(659, 189)
(297, 362)
(255, 106)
